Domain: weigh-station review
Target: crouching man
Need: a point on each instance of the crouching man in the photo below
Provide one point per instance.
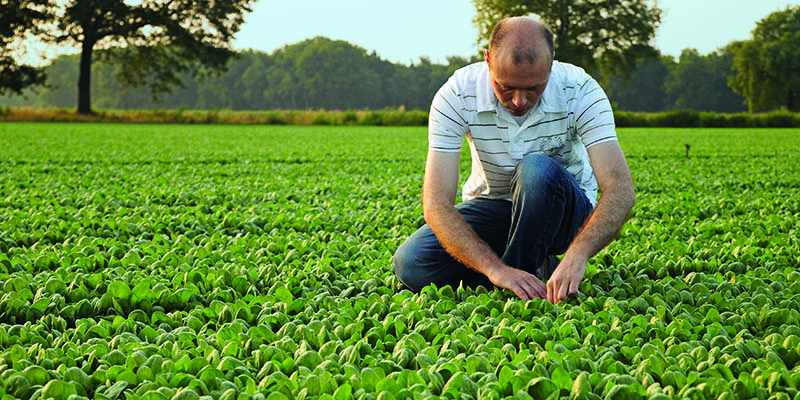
(542, 138)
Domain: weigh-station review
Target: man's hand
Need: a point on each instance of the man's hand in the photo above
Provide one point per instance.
(616, 186)
(565, 279)
(523, 284)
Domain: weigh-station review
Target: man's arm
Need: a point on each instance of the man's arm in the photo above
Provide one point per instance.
(458, 238)
(616, 201)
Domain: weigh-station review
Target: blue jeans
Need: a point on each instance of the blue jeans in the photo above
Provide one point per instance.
(546, 210)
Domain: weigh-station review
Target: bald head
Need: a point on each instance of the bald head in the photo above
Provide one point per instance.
(519, 59)
(521, 40)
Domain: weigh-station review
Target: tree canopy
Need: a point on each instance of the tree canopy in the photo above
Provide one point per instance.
(768, 63)
(644, 89)
(694, 81)
(314, 73)
(19, 18)
(156, 40)
(597, 35)
(700, 82)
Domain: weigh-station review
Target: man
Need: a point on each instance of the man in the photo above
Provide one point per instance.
(542, 139)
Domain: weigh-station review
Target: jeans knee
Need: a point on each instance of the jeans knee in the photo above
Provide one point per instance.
(535, 170)
(403, 261)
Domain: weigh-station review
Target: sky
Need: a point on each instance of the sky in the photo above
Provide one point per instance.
(404, 31)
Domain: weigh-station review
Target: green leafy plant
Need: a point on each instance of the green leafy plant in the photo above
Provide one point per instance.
(186, 262)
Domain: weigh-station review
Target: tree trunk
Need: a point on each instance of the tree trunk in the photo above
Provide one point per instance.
(790, 102)
(85, 78)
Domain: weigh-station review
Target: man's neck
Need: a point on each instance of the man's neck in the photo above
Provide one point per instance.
(521, 119)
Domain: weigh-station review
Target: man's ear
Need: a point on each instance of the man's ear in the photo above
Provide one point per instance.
(486, 55)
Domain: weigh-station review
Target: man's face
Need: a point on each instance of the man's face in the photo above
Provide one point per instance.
(518, 87)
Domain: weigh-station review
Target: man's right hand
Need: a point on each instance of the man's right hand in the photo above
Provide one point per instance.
(523, 284)
(458, 238)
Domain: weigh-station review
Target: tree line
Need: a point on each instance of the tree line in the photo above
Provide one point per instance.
(321, 73)
(611, 40)
(158, 62)
(156, 40)
(693, 81)
(317, 73)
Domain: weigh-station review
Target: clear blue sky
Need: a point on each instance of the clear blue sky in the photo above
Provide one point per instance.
(404, 31)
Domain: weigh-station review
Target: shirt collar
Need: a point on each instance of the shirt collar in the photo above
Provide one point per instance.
(487, 101)
(552, 100)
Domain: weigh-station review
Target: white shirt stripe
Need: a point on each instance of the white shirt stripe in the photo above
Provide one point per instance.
(572, 115)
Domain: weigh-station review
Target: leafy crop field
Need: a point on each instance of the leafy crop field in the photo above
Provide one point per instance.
(215, 262)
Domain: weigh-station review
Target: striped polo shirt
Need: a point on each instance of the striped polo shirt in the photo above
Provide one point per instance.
(573, 114)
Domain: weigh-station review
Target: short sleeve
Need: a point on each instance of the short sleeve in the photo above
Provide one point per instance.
(595, 119)
(446, 126)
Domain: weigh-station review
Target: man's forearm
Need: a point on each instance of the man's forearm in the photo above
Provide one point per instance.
(459, 239)
(461, 242)
(603, 224)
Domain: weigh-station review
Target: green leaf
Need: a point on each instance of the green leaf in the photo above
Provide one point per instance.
(399, 328)
(18, 386)
(369, 379)
(581, 387)
(656, 365)
(543, 388)
(128, 376)
(115, 390)
(36, 375)
(675, 379)
(58, 390)
(561, 378)
(460, 383)
(277, 396)
(119, 290)
(312, 384)
(153, 395)
(186, 394)
(283, 294)
(623, 392)
(115, 357)
(343, 392)
(142, 291)
(42, 304)
(310, 359)
(506, 374)
(229, 394)
(228, 364)
(387, 395)
(388, 384)
(639, 305)
(76, 375)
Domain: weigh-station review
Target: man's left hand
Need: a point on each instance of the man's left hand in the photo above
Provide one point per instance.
(615, 184)
(565, 279)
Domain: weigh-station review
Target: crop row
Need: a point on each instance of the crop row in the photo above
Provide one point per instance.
(157, 262)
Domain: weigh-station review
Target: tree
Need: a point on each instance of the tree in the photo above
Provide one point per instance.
(767, 64)
(700, 82)
(643, 90)
(314, 73)
(58, 92)
(598, 35)
(254, 80)
(19, 18)
(157, 40)
(322, 73)
(335, 74)
(225, 89)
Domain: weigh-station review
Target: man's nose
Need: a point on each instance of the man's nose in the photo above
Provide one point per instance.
(519, 99)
